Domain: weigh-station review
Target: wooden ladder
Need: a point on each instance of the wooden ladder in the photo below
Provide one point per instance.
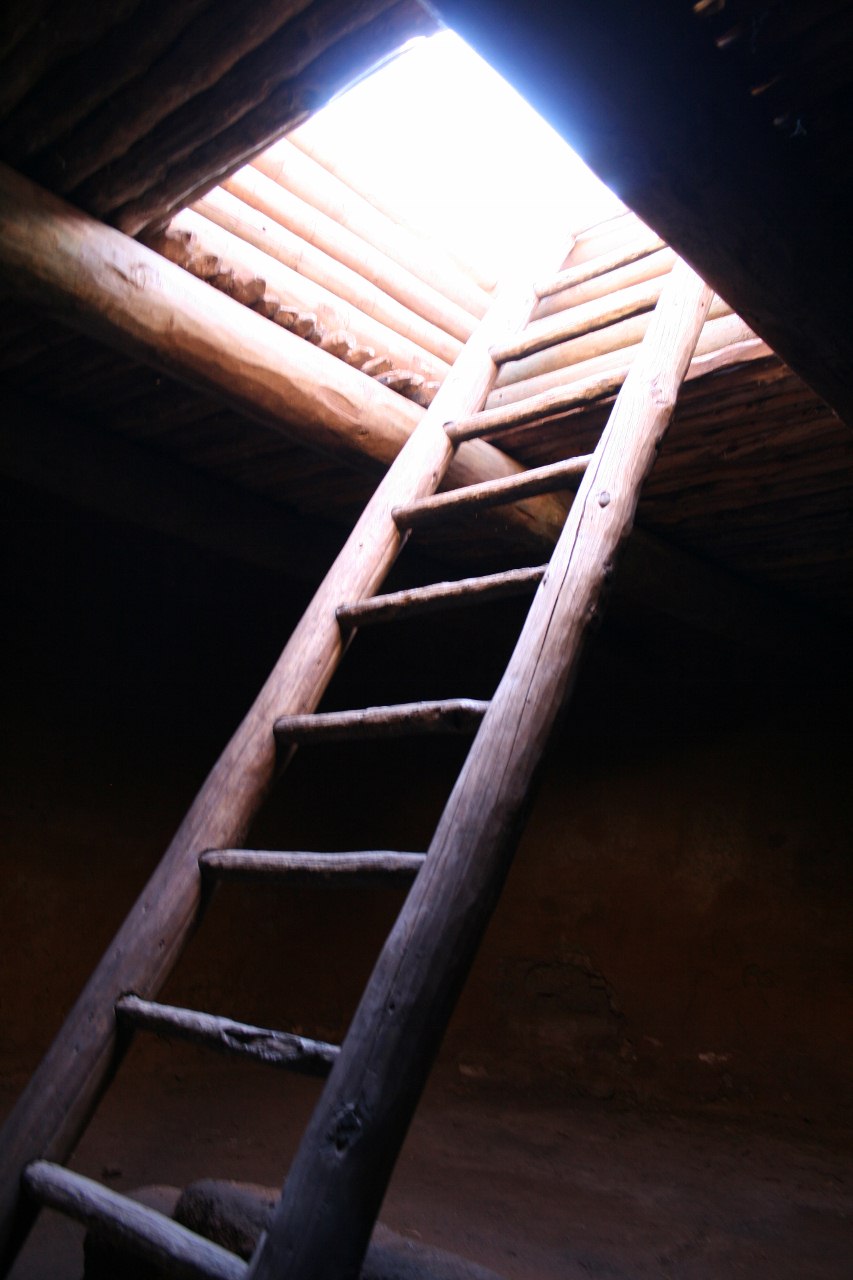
(337, 1182)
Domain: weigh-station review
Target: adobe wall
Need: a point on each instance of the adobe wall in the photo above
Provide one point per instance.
(676, 928)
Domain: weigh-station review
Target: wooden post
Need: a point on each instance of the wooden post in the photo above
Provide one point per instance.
(336, 1184)
(61, 1095)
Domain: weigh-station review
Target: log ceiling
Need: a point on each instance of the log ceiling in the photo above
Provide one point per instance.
(727, 130)
(135, 109)
(132, 108)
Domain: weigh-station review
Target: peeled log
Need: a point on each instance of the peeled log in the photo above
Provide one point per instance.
(361, 256)
(634, 272)
(301, 174)
(240, 218)
(61, 1095)
(577, 320)
(614, 338)
(482, 273)
(97, 280)
(724, 332)
(333, 313)
(575, 275)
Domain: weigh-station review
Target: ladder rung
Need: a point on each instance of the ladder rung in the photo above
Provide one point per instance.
(440, 595)
(574, 322)
(453, 715)
(153, 1236)
(598, 267)
(275, 1048)
(492, 493)
(353, 868)
(536, 408)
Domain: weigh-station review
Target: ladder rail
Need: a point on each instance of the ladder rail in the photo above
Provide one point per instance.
(55, 1107)
(336, 1184)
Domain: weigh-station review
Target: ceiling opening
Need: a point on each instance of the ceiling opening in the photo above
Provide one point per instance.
(443, 140)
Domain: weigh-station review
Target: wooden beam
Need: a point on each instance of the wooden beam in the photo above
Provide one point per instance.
(74, 90)
(603, 265)
(53, 38)
(234, 215)
(346, 168)
(191, 238)
(345, 246)
(350, 41)
(655, 264)
(60, 1096)
(96, 279)
(473, 499)
(575, 321)
(148, 1234)
(597, 352)
(282, 1049)
(660, 117)
(301, 174)
(242, 62)
(368, 867)
(336, 1183)
(453, 715)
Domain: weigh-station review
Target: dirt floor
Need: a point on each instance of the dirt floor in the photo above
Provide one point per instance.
(535, 1189)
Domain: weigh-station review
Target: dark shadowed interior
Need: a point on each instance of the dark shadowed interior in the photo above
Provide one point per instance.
(649, 1070)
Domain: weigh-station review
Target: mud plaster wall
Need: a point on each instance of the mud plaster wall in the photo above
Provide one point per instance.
(677, 924)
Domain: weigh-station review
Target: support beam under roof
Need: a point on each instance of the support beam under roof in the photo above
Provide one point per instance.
(96, 279)
(645, 97)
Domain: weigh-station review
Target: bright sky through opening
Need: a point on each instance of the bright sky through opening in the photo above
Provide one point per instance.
(439, 136)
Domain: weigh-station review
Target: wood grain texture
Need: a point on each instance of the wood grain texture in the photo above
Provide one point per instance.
(608, 262)
(54, 36)
(491, 493)
(202, 55)
(334, 313)
(223, 1035)
(352, 44)
(598, 352)
(58, 103)
(451, 715)
(370, 867)
(440, 595)
(280, 243)
(336, 1183)
(679, 137)
(149, 1234)
(101, 282)
(60, 1096)
(537, 408)
(345, 246)
(574, 322)
(287, 165)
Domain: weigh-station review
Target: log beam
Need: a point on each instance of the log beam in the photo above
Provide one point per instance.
(347, 247)
(299, 173)
(680, 140)
(60, 1097)
(194, 241)
(150, 1235)
(97, 280)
